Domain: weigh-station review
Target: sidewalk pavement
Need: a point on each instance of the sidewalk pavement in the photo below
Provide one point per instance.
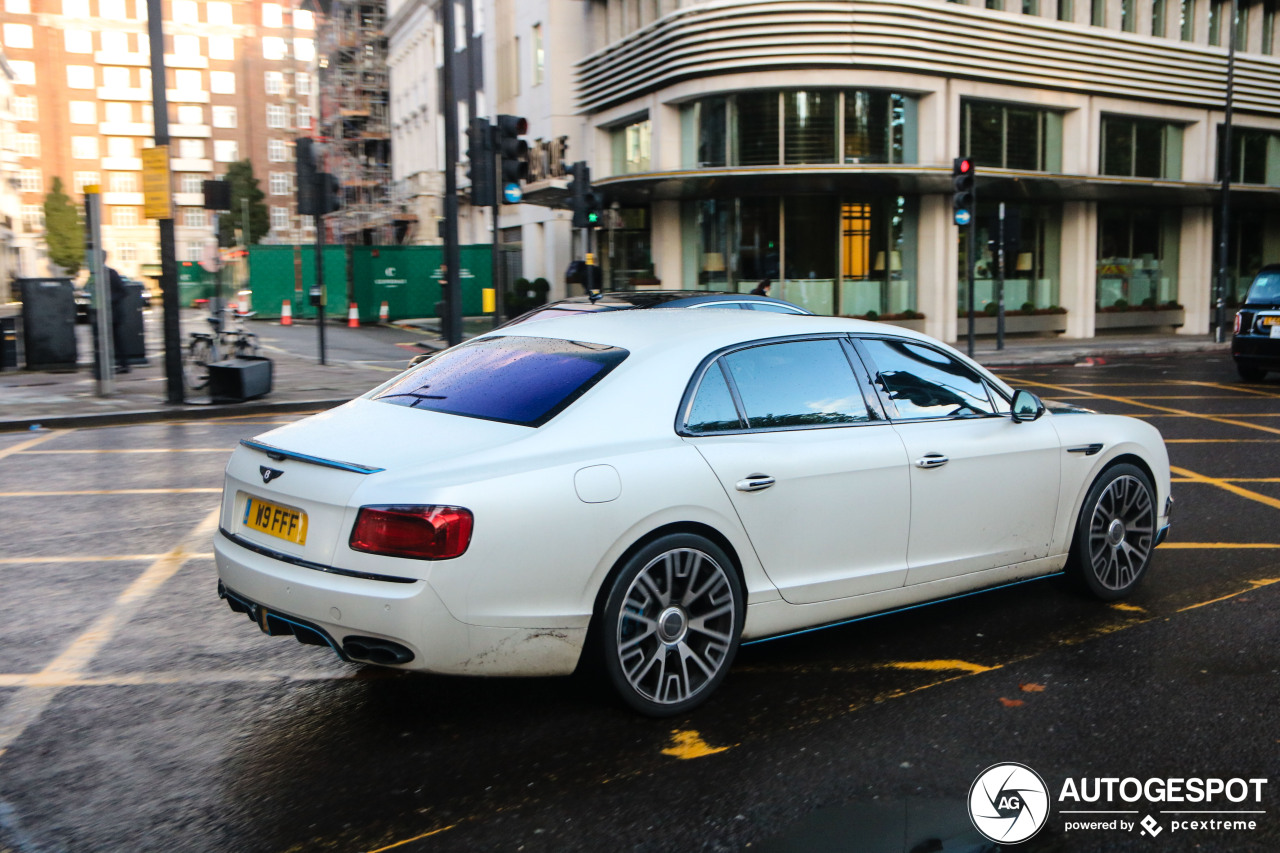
(32, 399)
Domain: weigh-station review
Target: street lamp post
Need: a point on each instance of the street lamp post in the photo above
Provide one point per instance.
(1224, 168)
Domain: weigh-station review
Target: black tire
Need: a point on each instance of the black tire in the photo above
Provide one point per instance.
(676, 603)
(1115, 534)
(195, 367)
(1250, 374)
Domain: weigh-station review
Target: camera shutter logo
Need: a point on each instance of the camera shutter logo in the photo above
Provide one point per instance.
(1008, 803)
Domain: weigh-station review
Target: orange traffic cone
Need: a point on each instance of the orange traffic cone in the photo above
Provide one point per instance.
(286, 313)
(353, 317)
(383, 313)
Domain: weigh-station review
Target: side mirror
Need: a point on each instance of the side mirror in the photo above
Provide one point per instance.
(1026, 407)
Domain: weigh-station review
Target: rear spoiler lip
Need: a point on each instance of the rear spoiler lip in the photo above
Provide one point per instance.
(278, 454)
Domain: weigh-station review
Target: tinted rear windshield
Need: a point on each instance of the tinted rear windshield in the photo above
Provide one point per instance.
(516, 380)
(1265, 289)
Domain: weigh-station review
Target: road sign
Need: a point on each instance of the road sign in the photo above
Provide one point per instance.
(511, 193)
(156, 188)
(963, 217)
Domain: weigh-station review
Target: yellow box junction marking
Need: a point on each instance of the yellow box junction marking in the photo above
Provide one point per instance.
(1252, 586)
(689, 744)
(21, 447)
(1193, 477)
(940, 666)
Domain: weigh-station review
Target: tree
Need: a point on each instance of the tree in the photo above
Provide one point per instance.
(63, 230)
(243, 185)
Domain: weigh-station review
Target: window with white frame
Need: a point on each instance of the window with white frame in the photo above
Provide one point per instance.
(30, 181)
(28, 144)
(84, 112)
(303, 113)
(187, 46)
(113, 41)
(273, 47)
(278, 183)
(24, 72)
(185, 12)
(193, 252)
(193, 217)
(191, 182)
(277, 115)
(191, 149)
(141, 6)
(188, 80)
(148, 113)
(80, 77)
(127, 251)
(304, 50)
(280, 218)
(84, 147)
(222, 47)
(303, 20)
(272, 15)
(302, 83)
(80, 180)
(144, 79)
(78, 9)
(32, 218)
(18, 35)
(222, 82)
(274, 82)
(119, 112)
(190, 114)
(122, 182)
(77, 41)
(124, 216)
(219, 13)
(24, 107)
(112, 10)
(115, 80)
(226, 150)
(224, 116)
(120, 146)
(18, 7)
(277, 151)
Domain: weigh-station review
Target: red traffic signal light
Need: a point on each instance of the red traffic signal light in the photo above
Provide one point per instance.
(962, 173)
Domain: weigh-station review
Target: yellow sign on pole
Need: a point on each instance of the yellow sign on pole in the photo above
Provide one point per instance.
(156, 184)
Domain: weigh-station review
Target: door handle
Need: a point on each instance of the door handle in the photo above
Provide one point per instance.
(755, 483)
(932, 460)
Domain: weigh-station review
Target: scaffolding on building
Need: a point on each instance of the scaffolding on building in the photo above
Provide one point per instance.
(355, 120)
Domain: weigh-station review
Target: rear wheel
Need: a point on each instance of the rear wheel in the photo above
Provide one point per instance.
(195, 367)
(1250, 374)
(1115, 534)
(670, 626)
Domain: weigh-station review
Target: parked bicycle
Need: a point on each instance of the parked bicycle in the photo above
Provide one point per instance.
(204, 348)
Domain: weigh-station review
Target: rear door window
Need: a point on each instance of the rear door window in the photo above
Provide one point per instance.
(516, 380)
(797, 384)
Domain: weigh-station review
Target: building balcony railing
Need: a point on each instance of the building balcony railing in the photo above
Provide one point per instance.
(126, 128)
(191, 164)
(114, 93)
(122, 164)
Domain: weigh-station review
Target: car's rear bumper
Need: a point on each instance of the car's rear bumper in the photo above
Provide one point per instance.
(1256, 351)
(350, 614)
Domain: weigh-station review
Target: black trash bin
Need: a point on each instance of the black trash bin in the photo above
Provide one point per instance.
(49, 323)
(235, 380)
(130, 320)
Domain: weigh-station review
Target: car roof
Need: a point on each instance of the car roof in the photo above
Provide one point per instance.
(652, 298)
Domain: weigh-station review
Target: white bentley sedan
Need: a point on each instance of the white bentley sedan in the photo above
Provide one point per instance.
(648, 489)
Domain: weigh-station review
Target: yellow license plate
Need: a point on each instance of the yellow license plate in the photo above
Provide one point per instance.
(1270, 320)
(283, 522)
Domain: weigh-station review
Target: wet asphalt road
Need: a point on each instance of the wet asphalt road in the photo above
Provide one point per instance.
(138, 713)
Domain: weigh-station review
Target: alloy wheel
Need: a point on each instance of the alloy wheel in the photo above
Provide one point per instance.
(1121, 532)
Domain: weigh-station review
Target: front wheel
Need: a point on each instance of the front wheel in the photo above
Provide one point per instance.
(1115, 533)
(671, 623)
(195, 367)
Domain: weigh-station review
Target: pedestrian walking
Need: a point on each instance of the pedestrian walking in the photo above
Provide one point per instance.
(762, 289)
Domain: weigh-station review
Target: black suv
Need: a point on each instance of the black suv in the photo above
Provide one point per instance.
(1255, 345)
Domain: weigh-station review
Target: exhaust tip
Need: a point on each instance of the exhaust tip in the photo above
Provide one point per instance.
(375, 650)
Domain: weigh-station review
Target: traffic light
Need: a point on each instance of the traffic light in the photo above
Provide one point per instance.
(579, 190)
(480, 169)
(305, 162)
(513, 150)
(329, 192)
(964, 200)
(595, 208)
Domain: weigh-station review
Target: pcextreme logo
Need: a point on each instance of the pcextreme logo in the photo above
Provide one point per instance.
(1009, 803)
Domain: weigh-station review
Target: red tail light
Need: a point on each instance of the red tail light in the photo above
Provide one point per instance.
(1237, 328)
(417, 532)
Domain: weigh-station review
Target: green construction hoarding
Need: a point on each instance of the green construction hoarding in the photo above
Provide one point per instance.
(406, 278)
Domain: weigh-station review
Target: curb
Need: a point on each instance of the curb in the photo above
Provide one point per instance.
(185, 412)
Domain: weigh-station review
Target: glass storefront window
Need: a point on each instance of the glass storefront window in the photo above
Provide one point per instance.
(1032, 258)
(627, 250)
(1141, 148)
(632, 144)
(810, 130)
(1137, 258)
(811, 255)
(797, 127)
(1007, 136)
(1255, 156)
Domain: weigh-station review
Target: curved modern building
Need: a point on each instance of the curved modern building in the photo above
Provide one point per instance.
(811, 142)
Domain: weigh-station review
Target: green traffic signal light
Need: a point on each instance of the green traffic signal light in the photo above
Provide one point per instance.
(593, 217)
